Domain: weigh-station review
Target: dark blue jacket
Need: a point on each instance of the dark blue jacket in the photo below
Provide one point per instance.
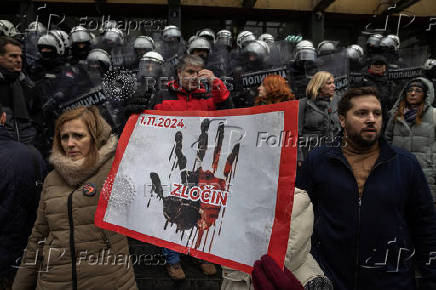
(372, 242)
(20, 169)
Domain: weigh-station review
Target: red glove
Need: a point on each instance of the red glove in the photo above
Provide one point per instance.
(267, 275)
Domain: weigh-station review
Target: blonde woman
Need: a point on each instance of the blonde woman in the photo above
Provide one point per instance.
(317, 120)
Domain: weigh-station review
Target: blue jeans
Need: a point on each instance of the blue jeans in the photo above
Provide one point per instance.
(172, 256)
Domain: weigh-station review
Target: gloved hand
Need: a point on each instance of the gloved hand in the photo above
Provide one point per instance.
(293, 38)
(267, 275)
(136, 105)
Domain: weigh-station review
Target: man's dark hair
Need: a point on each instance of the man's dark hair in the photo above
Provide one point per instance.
(345, 103)
(4, 40)
(190, 59)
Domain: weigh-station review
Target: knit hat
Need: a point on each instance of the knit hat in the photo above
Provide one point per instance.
(418, 84)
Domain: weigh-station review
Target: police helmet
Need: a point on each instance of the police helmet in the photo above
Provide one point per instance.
(266, 37)
(224, 37)
(258, 48)
(153, 56)
(390, 42)
(207, 34)
(326, 47)
(374, 40)
(143, 42)
(355, 52)
(244, 38)
(52, 41)
(170, 32)
(37, 26)
(199, 43)
(98, 55)
(114, 36)
(305, 51)
(80, 34)
(7, 28)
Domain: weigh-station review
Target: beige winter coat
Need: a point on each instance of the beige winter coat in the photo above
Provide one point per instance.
(298, 259)
(102, 256)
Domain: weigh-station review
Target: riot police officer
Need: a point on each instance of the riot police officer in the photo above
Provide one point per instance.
(302, 67)
(80, 44)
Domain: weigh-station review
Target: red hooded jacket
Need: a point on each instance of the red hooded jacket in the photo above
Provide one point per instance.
(176, 98)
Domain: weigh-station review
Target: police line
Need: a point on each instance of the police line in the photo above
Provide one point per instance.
(254, 79)
(96, 97)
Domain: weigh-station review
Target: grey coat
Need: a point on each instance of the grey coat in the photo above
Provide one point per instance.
(418, 139)
(318, 124)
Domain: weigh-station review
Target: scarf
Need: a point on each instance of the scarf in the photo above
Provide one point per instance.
(8, 76)
(73, 172)
(14, 97)
(410, 115)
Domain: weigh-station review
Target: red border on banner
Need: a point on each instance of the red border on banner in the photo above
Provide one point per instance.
(285, 192)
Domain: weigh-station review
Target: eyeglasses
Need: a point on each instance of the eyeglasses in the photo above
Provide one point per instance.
(416, 90)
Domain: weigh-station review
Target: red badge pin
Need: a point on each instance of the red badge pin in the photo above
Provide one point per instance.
(89, 189)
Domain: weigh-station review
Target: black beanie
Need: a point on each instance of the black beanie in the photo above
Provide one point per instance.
(418, 84)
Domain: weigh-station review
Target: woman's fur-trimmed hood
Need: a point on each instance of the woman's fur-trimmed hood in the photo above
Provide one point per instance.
(73, 172)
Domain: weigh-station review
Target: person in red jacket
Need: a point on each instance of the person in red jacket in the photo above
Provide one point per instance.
(196, 89)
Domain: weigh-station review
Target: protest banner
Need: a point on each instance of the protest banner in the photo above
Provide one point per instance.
(217, 185)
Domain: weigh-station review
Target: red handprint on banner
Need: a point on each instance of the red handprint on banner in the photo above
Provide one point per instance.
(196, 203)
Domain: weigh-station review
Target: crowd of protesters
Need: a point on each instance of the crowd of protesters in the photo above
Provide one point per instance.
(363, 215)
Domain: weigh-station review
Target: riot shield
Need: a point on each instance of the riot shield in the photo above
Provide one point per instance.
(337, 64)
(31, 48)
(75, 87)
(410, 66)
(281, 53)
(219, 61)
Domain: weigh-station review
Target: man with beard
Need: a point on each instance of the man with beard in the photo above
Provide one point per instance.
(374, 217)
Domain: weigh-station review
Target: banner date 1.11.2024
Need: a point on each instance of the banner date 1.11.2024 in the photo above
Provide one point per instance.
(161, 122)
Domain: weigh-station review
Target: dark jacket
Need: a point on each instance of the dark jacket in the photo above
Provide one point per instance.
(21, 168)
(372, 242)
(22, 108)
(318, 124)
(175, 98)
